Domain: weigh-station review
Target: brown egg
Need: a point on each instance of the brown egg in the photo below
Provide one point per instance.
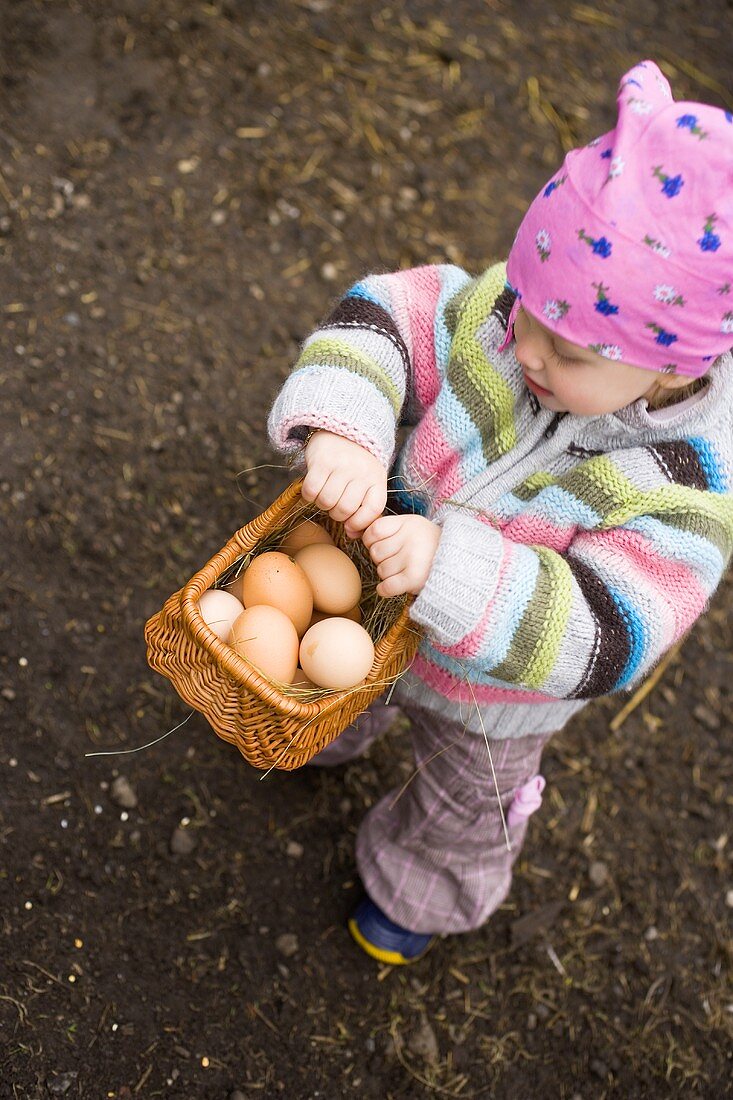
(301, 680)
(275, 579)
(219, 609)
(235, 587)
(318, 616)
(336, 653)
(267, 638)
(333, 577)
(306, 533)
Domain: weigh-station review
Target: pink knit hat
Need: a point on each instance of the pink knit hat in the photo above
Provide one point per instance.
(628, 250)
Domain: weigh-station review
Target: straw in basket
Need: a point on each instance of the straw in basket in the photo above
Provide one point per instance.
(271, 727)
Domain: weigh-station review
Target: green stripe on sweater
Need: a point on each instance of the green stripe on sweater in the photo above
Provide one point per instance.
(533, 485)
(328, 352)
(670, 500)
(601, 485)
(708, 527)
(533, 653)
(453, 306)
(485, 395)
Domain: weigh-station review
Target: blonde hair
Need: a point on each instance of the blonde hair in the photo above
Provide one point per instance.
(662, 395)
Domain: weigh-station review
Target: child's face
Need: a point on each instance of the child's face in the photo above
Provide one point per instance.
(567, 377)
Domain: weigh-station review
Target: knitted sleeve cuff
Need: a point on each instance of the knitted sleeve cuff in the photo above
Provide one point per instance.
(336, 401)
(462, 582)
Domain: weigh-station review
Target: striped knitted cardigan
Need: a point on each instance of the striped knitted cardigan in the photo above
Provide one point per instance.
(574, 550)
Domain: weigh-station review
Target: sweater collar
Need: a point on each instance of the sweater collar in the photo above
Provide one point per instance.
(715, 401)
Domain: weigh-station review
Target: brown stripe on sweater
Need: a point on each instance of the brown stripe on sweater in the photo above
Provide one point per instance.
(357, 312)
(612, 647)
(360, 313)
(700, 524)
(454, 305)
(679, 461)
(502, 307)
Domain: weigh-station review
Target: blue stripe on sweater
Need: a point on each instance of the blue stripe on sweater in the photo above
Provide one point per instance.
(637, 636)
(516, 590)
(473, 460)
(552, 503)
(684, 546)
(454, 279)
(361, 290)
(460, 432)
(710, 463)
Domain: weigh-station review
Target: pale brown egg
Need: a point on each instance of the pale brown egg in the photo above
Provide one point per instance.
(267, 638)
(306, 533)
(301, 680)
(333, 577)
(275, 579)
(318, 616)
(219, 609)
(235, 587)
(336, 653)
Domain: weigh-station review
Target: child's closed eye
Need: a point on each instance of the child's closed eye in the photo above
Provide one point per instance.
(563, 360)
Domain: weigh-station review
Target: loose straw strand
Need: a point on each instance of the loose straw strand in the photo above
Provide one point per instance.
(424, 764)
(493, 771)
(122, 752)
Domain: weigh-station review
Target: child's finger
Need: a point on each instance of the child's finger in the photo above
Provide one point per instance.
(313, 482)
(382, 549)
(370, 508)
(393, 586)
(348, 502)
(392, 565)
(381, 528)
(331, 491)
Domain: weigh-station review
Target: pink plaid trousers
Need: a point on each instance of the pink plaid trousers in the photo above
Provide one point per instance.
(433, 854)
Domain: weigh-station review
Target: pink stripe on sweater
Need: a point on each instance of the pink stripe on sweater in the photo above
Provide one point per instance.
(534, 530)
(449, 484)
(459, 691)
(428, 451)
(423, 287)
(676, 583)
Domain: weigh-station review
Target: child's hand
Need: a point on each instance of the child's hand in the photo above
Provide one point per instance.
(402, 548)
(345, 480)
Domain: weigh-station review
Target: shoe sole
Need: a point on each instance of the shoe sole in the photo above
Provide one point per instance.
(381, 954)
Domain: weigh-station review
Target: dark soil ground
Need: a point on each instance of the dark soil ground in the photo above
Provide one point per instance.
(184, 189)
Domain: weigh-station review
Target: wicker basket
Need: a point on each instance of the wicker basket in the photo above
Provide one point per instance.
(270, 728)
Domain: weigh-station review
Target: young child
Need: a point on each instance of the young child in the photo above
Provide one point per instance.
(564, 508)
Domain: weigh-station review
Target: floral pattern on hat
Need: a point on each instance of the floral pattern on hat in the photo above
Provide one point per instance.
(608, 351)
(602, 303)
(663, 337)
(689, 122)
(671, 185)
(633, 235)
(710, 241)
(555, 310)
(543, 244)
(668, 295)
(601, 247)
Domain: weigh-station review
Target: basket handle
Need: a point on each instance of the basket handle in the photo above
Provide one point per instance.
(245, 539)
(288, 504)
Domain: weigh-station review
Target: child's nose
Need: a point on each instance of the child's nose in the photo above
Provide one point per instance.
(530, 352)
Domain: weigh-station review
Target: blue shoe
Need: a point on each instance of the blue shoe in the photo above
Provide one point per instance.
(383, 939)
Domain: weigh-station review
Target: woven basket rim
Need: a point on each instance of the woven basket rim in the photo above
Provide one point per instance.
(225, 657)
